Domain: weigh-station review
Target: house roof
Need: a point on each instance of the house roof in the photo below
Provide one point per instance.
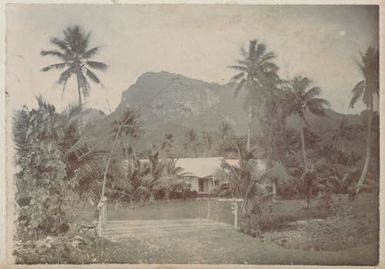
(260, 164)
(200, 167)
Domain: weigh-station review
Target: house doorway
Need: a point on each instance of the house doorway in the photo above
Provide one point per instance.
(201, 185)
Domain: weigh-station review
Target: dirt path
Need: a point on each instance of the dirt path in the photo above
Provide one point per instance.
(221, 246)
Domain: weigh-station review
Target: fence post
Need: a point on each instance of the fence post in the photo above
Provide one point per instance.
(209, 208)
(100, 221)
(101, 209)
(235, 212)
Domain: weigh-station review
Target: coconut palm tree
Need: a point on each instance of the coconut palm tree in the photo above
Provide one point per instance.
(367, 89)
(128, 178)
(128, 125)
(74, 54)
(153, 179)
(173, 178)
(300, 97)
(256, 73)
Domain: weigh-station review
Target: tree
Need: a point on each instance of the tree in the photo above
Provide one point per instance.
(74, 52)
(156, 172)
(128, 179)
(41, 176)
(288, 144)
(344, 132)
(168, 144)
(225, 128)
(300, 98)
(208, 139)
(173, 178)
(367, 89)
(257, 73)
(192, 139)
(128, 125)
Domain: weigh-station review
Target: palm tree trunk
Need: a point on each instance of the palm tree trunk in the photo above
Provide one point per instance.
(249, 127)
(303, 149)
(108, 163)
(79, 92)
(368, 147)
(80, 105)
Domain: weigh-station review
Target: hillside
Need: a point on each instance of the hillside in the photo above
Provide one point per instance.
(173, 103)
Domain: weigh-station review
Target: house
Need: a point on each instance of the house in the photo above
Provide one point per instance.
(200, 173)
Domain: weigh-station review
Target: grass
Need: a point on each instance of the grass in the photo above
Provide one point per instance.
(173, 209)
(223, 246)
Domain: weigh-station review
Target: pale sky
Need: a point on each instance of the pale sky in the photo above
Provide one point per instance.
(320, 42)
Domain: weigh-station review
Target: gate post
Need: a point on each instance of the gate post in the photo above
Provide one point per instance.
(209, 208)
(102, 215)
(235, 212)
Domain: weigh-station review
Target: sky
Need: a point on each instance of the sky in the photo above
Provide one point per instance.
(198, 41)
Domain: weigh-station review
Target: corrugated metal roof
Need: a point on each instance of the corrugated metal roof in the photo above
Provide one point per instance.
(200, 167)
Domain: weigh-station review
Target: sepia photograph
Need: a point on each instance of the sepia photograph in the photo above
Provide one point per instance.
(216, 134)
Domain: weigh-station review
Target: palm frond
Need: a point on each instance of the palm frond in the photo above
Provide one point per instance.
(90, 53)
(60, 43)
(54, 53)
(259, 51)
(238, 76)
(317, 106)
(238, 67)
(267, 57)
(65, 75)
(92, 76)
(311, 93)
(54, 66)
(240, 85)
(301, 84)
(97, 65)
(270, 67)
(357, 93)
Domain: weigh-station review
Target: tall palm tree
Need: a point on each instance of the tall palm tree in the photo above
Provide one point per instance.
(256, 72)
(192, 138)
(74, 53)
(300, 96)
(127, 125)
(367, 89)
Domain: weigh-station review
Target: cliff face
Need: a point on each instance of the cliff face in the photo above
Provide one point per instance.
(173, 103)
(170, 99)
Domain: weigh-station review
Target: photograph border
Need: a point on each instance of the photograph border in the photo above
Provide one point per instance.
(6, 189)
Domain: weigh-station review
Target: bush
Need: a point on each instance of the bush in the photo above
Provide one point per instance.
(41, 180)
(62, 249)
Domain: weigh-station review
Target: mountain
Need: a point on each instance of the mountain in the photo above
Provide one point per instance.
(173, 103)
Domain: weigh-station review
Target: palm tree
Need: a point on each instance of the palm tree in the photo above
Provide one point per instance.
(208, 138)
(367, 88)
(128, 178)
(192, 139)
(257, 72)
(128, 125)
(74, 52)
(225, 128)
(153, 179)
(300, 97)
(173, 178)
